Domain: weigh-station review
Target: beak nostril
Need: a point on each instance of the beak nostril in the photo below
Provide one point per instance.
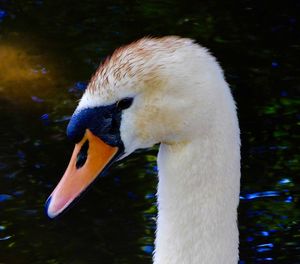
(82, 155)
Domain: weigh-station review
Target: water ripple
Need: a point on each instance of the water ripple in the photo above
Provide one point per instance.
(5, 238)
(255, 195)
(5, 197)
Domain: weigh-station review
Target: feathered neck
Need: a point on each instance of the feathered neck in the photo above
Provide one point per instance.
(198, 195)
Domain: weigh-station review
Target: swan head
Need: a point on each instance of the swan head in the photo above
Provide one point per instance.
(144, 94)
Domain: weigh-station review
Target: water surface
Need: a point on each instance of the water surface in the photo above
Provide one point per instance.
(49, 50)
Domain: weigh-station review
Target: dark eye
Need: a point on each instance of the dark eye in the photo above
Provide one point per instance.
(124, 103)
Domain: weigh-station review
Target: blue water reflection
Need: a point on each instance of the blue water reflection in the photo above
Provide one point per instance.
(251, 196)
(5, 197)
(3, 14)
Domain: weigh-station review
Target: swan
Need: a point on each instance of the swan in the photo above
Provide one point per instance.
(171, 91)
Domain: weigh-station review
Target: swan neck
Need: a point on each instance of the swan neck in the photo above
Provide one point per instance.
(198, 195)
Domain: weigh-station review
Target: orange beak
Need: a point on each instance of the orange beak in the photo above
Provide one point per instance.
(90, 156)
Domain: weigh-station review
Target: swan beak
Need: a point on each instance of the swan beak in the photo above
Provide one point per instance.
(90, 157)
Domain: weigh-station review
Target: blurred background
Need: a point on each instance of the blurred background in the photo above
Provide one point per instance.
(49, 50)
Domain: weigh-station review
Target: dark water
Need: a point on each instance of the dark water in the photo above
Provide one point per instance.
(48, 51)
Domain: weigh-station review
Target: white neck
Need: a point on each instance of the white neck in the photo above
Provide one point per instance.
(198, 195)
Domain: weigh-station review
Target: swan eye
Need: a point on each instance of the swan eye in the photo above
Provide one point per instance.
(124, 103)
